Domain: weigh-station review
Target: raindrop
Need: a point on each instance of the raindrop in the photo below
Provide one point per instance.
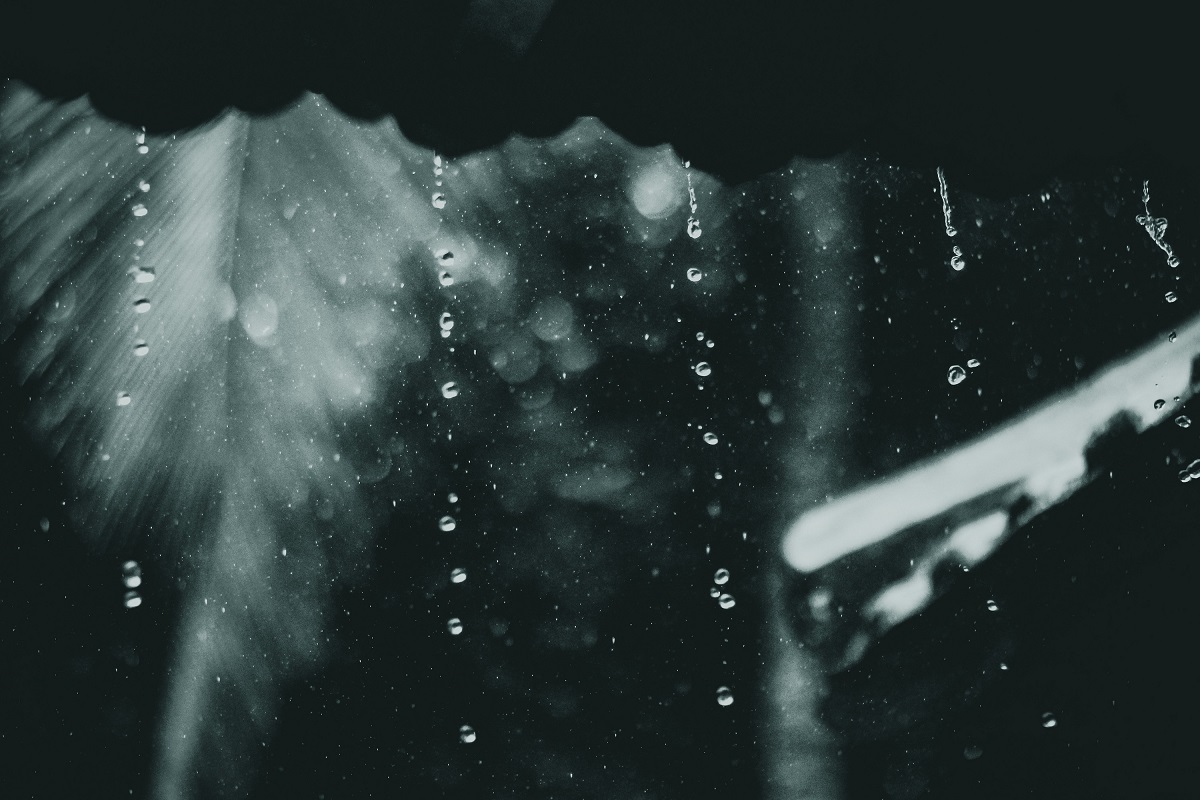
(452, 498)
(694, 275)
(956, 260)
(1183, 421)
(132, 599)
(438, 200)
(1184, 476)
(139, 210)
(971, 752)
(131, 574)
(693, 228)
(447, 524)
(449, 390)
(714, 592)
(726, 601)
(699, 336)
(144, 186)
(466, 734)
(141, 305)
(956, 375)
(973, 363)
(1171, 336)
(992, 606)
(445, 257)
(458, 575)
(1048, 720)
(140, 348)
(1194, 468)
(445, 322)
(724, 696)
(1159, 403)
(710, 438)
(704, 369)
(123, 399)
(143, 149)
(143, 275)
(1171, 297)
(1173, 262)
(44, 524)
(140, 137)
(721, 577)
(445, 278)
(454, 625)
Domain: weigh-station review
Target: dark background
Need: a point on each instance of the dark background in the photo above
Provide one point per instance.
(1096, 593)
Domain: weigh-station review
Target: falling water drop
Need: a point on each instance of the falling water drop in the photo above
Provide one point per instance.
(726, 601)
(131, 574)
(466, 734)
(1171, 336)
(992, 605)
(454, 625)
(973, 363)
(143, 275)
(445, 257)
(141, 305)
(956, 260)
(438, 200)
(1171, 297)
(452, 498)
(445, 278)
(724, 696)
(710, 437)
(721, 577)
(140, 348)
(1159, 403)
(694, 275)
(132, 599)
(1183, 421)
(1049, 720)
(693, 228)
(446, 321)
(956, 375)
(714, 592)
(449, 390)
(123, 399)
(703, 369)
(139, 210)
(447, 524)
(458, 575)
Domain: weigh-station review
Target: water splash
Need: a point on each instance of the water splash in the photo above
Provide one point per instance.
(1156, 227)
(693, 223)
(941, 176)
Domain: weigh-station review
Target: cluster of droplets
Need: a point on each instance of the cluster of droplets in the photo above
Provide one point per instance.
(438, 198)
(1156, 227)
(131, 576)
(139, 273)
(693, 223)
(957, 373)
(718, 590)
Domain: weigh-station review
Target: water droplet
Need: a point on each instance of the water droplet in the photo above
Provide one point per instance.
(452, 498)
(724, 696)
(140, 137)
(956, 260)
(141, 305)
(140, 348)
(721, 577)
(458, 575)
(1171, 297)
(726, 601)
(710, 438)
(1173, 262)
(1048, 720)
(454, 625)
(139, 210)
(143, 275)
(695, 275)
(143, 149)
(132, 599)
(445, 257)
(1184, 476)
(956, 375)
(131, 574)
(1183, 421)
(449, 390)
(1171, 336)
(971, 752)
(1194, 468)
(704, 369)
(447, 523)
(714, 592)
(123, 399)
(1159, 403)
(466, 734)
(44, 524)
(992, 606)
(438, 200)
(446, 321)
(139, 242)
(973, 363)
(693, 228)
(445, 278)
(144, 186)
